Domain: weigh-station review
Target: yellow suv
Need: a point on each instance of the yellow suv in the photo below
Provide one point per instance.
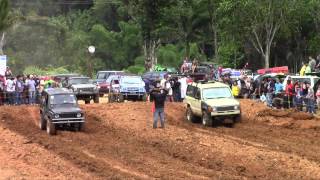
(213, 102)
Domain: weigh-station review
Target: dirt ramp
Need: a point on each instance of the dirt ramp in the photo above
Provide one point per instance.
(255, 111)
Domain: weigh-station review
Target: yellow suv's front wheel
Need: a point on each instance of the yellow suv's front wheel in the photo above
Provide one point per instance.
(206, 119)
(189, 115)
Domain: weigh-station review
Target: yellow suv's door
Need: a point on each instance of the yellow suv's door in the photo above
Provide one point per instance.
(197, 102)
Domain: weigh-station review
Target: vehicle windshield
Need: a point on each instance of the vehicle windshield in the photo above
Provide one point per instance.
(79, 81)
(216, 93)
(101, 76)
(62, 99)
(131, 80)
(294, 80)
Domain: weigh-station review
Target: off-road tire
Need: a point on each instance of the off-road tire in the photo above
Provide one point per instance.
(238, 119)
(110, 98)
(121, 98)
(42, 123)
(82, 127)
(96, 99)
(51, 128)
(87, 101)
(206, 119)
(189, 115)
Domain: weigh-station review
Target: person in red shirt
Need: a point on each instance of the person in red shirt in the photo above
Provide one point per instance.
(289, 93)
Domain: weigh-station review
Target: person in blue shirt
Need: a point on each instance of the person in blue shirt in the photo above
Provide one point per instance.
(278, 87)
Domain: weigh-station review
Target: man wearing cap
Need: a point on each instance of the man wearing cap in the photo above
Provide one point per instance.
(159, 97)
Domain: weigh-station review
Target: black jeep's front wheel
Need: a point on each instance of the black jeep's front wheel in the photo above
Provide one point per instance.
(121, 98)
(206, 119)
(79, 126)
(87, 101)
(51, 128)
(110, 98)
(42, 123)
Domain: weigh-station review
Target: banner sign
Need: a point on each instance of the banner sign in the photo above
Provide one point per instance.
(282, 69)
(3, 64)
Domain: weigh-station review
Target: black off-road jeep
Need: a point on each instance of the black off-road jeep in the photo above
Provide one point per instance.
(59, 109)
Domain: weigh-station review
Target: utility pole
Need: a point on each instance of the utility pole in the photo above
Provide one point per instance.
(91, 50)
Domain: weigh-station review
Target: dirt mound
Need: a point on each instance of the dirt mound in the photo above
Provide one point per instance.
(255, 111)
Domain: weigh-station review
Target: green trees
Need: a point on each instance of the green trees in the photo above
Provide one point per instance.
(4, 10)
(140, 34)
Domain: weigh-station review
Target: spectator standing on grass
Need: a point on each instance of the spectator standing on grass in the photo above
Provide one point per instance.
(32, 90)
(159, 96)
(311, 100)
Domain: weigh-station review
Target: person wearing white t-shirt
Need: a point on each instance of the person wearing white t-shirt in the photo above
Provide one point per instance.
(183, 87)
(11, 88)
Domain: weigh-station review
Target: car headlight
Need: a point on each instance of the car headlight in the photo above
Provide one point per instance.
(56, 116)
(236, 107)
(212, 109)
(79, 115)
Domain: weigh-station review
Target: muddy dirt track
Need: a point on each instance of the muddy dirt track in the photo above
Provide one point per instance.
(119, 143)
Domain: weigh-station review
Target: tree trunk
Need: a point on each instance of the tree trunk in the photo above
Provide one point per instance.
(150, 54)
(216, 48)
(267, 57)
(2, 42)
(187, 49)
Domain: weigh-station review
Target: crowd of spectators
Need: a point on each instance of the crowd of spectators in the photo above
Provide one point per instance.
(22, 89)
(298, 95)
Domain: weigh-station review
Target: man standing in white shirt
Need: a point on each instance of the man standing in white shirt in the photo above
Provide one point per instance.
(11, 88)
(183, 87)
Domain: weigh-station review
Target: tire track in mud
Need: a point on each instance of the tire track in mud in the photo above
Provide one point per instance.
(119, 145)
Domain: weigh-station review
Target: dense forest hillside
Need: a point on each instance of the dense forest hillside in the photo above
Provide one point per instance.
(137, 34)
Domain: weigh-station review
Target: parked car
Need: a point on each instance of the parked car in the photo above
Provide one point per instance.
(59, 108)
(102, 80)
(127, 87)
(313, 80)
(83, 89)
(154, 76)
